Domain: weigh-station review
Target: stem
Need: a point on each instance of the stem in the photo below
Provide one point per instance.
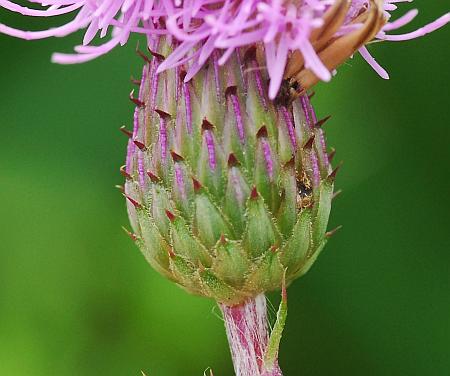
(247, 331)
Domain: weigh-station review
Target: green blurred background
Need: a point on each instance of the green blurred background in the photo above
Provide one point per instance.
(77, 298)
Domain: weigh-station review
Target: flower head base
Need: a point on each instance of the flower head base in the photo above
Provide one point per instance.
(310, 37)
(226, 191)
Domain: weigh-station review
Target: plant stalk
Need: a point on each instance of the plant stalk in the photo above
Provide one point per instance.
(248, 336)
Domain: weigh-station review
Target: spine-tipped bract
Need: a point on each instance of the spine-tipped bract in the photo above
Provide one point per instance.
(227, 191)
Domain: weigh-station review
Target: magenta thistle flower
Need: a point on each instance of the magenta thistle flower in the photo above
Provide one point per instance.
(306, 29)
(228, 180)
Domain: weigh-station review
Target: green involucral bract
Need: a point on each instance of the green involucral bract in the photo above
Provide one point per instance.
(227, 191)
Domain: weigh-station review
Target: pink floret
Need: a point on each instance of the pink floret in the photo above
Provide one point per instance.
(204, 26)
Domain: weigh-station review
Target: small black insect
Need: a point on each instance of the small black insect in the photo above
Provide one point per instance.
(304, 191)
(290, 90)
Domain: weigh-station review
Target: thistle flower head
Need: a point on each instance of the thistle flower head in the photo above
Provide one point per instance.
(303, 40)
(227, 191)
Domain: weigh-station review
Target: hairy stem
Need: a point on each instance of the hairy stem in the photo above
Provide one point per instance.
(247, 331)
